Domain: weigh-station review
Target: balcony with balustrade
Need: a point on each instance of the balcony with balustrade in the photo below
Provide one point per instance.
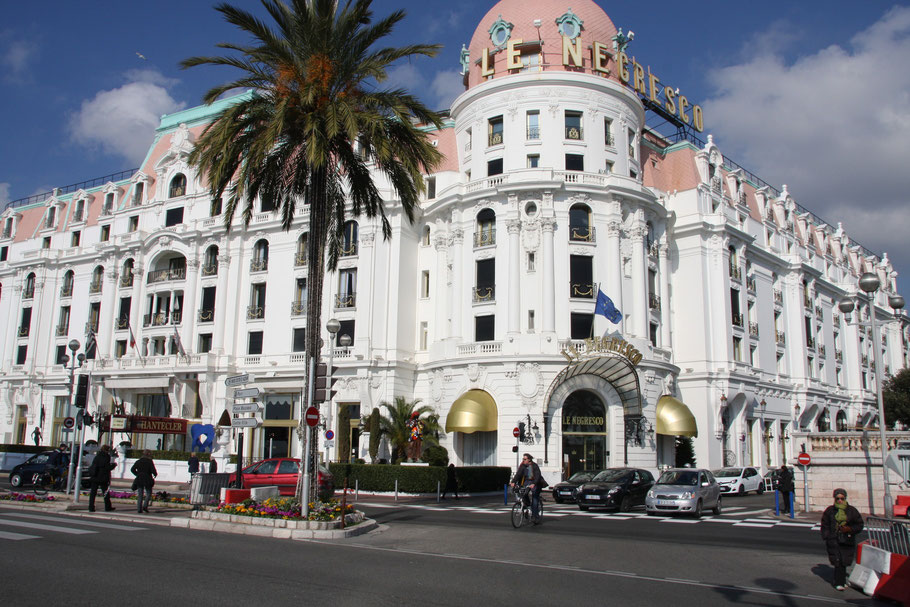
(166, 275)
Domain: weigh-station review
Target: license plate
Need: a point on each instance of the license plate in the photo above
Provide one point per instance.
(592, 497)
(565, 493)
(666, 503)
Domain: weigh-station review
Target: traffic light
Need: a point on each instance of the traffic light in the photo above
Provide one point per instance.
(521, 431)
(324, 390)
(81, 395)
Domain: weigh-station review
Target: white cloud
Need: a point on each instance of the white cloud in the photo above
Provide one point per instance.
(122, 121)
(15, 56)
(4, 194)
(405, 76)
(833, 125)
(446, 86)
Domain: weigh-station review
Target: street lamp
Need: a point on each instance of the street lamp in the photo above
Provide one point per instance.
(870, 283)
(332, 326)
(74, 346)
(764, 437)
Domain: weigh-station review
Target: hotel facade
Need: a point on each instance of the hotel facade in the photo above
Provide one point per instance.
(554, 189)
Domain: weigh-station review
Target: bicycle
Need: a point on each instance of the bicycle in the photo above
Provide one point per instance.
(42, 482)
(521, 510)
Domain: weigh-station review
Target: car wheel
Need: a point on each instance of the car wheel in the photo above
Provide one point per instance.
(741, 490)
(698, 507)
(717, 507)
(15, 480)
(582, 507)
(761, 488)
(626, 504)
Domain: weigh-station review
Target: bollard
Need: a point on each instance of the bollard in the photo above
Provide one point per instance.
(777, 503)
(505, 495)
(396, 489)
(792, 504)
(356, 489)
(438, 491)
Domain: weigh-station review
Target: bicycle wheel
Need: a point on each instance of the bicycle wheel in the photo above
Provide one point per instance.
(518, 515)
(42, 482)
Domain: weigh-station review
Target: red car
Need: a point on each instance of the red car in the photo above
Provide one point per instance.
(283, 472)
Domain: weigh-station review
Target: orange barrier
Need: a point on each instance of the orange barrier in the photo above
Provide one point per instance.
(235, 496)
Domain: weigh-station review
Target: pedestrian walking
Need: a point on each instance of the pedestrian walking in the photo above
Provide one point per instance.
(451, 482)
(192, 464)
(100, 478)
(841, 523)
(213, 465)
(785, 486)
(146, 473)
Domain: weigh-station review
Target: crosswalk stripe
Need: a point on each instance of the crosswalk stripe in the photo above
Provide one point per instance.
(9, 535)
(69, 530)
(73, 520)
(759, 525)
(689, 521)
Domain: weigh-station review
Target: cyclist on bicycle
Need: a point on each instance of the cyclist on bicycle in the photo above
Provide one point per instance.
(528, 475)
(57, 462)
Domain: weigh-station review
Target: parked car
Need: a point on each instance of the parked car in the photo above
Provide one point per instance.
(684, 490)
(283, 473)
(740, 480)
(565, 491)
(618, 488)
(23, 474)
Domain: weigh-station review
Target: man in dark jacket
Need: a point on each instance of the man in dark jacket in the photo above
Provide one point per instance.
(841, 523)
(528, 475)
(192, 464)
(145, 472)
(785, 486)
(100, 477)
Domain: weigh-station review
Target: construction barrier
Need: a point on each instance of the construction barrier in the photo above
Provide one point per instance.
(883, 560)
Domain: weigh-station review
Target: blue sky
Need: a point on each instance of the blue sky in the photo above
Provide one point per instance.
(814, 94)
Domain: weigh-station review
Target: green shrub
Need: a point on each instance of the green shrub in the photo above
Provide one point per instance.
(176, 456)
(12, 448)
(417, 479)
(435, 455)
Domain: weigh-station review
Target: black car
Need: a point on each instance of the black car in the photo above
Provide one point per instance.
(565, 491)
(615, 488)
(24, 473)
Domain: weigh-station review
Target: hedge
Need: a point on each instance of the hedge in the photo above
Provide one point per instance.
(25, 448)
(418, 479)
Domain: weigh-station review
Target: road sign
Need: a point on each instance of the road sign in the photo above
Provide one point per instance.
(515, 432)
(118, 423)
(248, 393)
(329, 435)
(804, 459)
(245, 422)
(312, 416)
(238, 380)
(246, 408)
(69, 423)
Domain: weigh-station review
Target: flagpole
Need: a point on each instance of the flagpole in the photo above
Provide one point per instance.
(594, 316)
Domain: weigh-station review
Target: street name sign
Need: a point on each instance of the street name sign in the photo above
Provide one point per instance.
(248, 393)
(238, 380)
(245, 422)
(246, 408)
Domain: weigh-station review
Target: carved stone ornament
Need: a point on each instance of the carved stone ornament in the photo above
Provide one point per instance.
(581, 250)
(473, 371)
(367, 238)
(530, 380)
(488, 253)
(530, 234)
(436, 385)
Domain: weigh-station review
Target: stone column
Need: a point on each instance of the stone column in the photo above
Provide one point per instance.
(136, 305)
(514, 323)
(639, 284)
(548, 226)
(614, 269)
(190, 306)
(457, 293)
(664, 269)
(106, 327)
(441, 294)
(224, 266)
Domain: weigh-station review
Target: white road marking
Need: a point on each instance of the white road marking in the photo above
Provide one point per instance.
(45, 527)
(9, 535)
(74, 520)
(753, 525)
(686, 521)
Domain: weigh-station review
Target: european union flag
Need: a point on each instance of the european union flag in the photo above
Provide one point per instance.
(605, 308)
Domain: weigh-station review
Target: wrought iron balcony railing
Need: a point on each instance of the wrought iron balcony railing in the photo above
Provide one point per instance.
(345, 300)
(259, 265)
(654, 301)
(166, 275)
(210, 270)
(484, 294)
(581, 233)
(66, 291)
(738, 320)
(206, 315)
(95, 286)
(126, 280)
(255, 312)
(298, 308)
(575, 133)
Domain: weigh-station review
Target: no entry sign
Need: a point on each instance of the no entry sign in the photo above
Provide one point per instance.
(804, 459)
(515, 432)
(312, 416)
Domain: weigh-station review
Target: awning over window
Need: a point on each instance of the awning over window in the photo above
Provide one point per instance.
(674, 418)
(134, 383)
(475, 411)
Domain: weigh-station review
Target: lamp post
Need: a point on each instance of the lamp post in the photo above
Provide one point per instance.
(332, 326)
(870, 283)
(74, 346)
(764, 453)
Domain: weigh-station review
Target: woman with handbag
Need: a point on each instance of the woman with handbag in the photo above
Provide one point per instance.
(145, 472)
(841, 523)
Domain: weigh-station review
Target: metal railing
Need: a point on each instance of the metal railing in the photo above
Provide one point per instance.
(166, 275)
(95, 286)
(255, 312)
(483, 294)
(82, 185)
(349, 251)
(533, 132)
(126, 280)
(485, 237)
(581, 233)
(259, 265)
(495, 139)
(24, 331)
(575, 133)
(737, 320)
(753, 329)
(653, 301)
(581, 290)
(62, 330)
(210, 270)
(66, 291)
(300, 259)
(206, 315)
(298, 308)
(891, 535)
(345, 300)
(778, 296)
(29, 292)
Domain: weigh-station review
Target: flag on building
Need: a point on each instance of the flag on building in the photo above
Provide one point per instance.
(178, 343)
(605, 308)
(91, 345)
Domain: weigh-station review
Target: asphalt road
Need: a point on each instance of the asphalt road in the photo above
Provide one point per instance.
(464, 552)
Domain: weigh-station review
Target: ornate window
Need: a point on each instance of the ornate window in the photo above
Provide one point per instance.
(569, 25)
(178, 186)
(500, 32)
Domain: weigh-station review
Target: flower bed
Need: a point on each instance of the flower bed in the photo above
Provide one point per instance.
(285, 508)
(160, 496)
(26, 497)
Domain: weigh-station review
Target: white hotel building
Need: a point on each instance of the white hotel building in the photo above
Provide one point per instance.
(553, 187)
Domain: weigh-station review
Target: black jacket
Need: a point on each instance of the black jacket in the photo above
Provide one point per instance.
(785, 481)
(536, 477)
(829, 526)
(145, 472)
(100, 470)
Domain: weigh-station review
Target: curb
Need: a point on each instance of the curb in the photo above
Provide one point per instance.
(361, 528)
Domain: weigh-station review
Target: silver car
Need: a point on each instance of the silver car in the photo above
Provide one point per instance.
(684, 490)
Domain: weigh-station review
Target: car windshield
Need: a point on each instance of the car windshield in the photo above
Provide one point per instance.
(581, 477)
(678, 477)
(724, 472)
(611, 476)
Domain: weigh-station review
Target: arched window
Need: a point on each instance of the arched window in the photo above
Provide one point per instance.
(349, 244)
(649, 235)
(29, 290)
(178, 186)
(300, 259)
(824, 421)
(841, 421)
(580, 223)
(426, 236)
(126, 275)
(485, 234)
(260, 261)
(68, 280)
(210, 267)
(97, 280)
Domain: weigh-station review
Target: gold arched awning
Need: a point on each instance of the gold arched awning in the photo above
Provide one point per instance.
(674, 418)
(474, 411)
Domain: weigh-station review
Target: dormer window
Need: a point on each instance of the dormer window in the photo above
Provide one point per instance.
(51, 218)
(178, 186)
(79, 213)
(109, 203)
(138, 191)
(8, 228)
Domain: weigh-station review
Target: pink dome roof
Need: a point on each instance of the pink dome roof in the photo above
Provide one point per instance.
(596, 27)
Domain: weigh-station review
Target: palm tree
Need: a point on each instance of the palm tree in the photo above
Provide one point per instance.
(395, 425)
(317, 128)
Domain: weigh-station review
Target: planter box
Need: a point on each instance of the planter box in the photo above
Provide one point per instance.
(277, 523)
